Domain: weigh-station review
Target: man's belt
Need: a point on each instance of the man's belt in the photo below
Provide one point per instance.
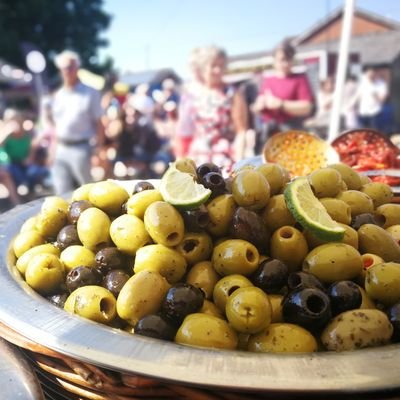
(67, 142)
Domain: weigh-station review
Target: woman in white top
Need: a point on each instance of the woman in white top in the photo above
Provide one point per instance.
(372, 94)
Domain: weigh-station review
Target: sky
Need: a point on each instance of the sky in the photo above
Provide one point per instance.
(152, 34)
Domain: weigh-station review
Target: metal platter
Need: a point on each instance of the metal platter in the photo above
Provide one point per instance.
(322, 373)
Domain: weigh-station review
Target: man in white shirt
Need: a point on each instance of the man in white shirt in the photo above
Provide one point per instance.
(372, 94)
(76, 112)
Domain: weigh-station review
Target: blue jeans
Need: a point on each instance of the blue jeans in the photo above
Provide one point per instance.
(29, 175)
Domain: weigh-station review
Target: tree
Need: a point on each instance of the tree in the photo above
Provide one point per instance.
(52, 26)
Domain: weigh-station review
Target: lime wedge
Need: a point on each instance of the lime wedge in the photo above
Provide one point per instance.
(181, 190)
(310, 213)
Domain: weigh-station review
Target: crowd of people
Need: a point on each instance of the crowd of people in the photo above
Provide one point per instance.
(137, 135)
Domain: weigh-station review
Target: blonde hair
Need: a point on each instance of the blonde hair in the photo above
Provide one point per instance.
(201, 56)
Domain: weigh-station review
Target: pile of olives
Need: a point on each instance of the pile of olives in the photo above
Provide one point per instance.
(238, 272)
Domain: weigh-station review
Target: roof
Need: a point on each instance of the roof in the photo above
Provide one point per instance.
(319, 25)
(257, 54)
(374, 48)
(150, 76)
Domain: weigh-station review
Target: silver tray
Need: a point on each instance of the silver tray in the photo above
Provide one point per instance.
(32, 316)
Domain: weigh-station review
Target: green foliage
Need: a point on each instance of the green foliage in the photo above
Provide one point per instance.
(52, 26)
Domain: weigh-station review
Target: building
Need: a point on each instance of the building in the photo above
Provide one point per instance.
(375, 41)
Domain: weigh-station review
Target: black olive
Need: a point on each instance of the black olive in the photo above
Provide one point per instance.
(115, 280)
(302, 280)
(110, 258)
(215, 182)
(76, 208)
(366, 218)
(58, 299)
(205, 169)
(181, 300)
(344, 296)
(196, 220)
(156, 327)
(68, 236)
(271, 276)
(248, 225)
(394, 318)
(309, 308)
(142, 185)
(82, 276)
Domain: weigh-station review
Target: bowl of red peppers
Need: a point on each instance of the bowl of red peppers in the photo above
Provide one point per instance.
(372, 153)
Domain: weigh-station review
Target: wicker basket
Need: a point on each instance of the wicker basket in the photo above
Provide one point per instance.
(63, 377)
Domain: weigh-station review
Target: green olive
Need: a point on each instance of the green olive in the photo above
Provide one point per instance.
(23, 261)
(283, 338)
(390, 214)
(248, 310)
(380, 193)
(369, 260)
(44, 273)
(203, 276)
(220, 211)
(92, 302)
(359, 202)
(94, 228)
(108, 196)
(226, 286)
(168, 262)
(52, 217)
(137, 204)
(141, 295)
(29, 224)
(195, 247)
(276, 214)
(82, 193)
(350, 237)
(382, 283)
(338, 210)
(333, 262)
(129, 234)
(77, 256)
(275, 176)
(276, 305)
(206, 331)
(211, 309)
(326, 182)
(25, 241)
(289, 245)
(365, 179)
(357, 329)
(376, 240)
(251, 189)
(164, 223)
(367, 303)
(394, 231)
(186, 165)
(235, 256)
(350, 177)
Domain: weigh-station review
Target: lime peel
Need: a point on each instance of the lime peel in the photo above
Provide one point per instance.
(310, 213)
(181, 190)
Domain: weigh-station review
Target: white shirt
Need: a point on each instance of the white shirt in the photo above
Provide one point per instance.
(76, 112)
(369, 105)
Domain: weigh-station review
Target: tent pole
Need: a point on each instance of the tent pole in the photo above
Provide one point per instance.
(334, 123)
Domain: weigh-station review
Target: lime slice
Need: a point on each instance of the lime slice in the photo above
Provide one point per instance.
(310, 213)
(181, 190)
